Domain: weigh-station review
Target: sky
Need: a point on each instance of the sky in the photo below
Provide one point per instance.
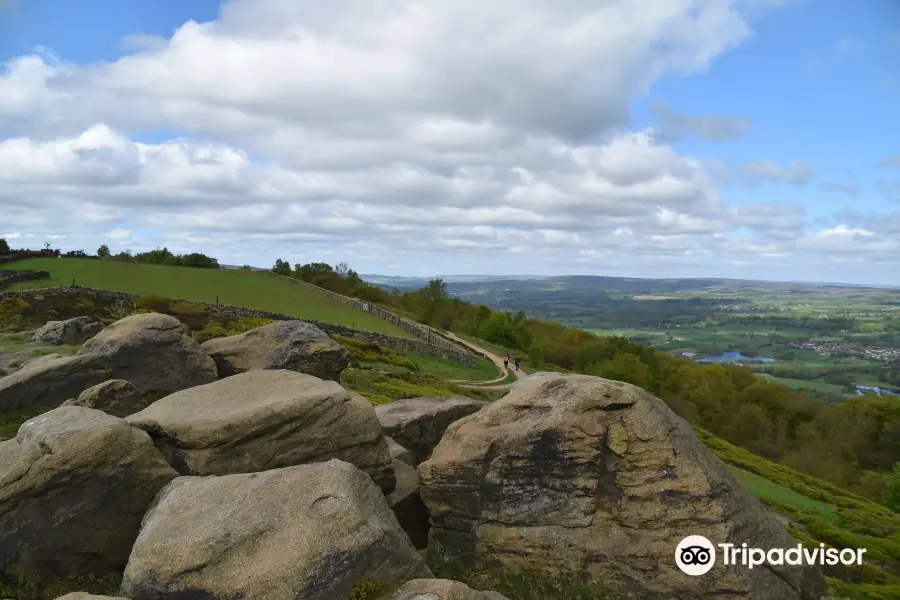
(753, 139)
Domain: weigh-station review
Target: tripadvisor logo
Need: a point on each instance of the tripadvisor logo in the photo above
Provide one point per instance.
(696, 555)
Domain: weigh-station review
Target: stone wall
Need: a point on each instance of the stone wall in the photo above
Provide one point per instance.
(226, 312)
(22, 255)
(9, 277)
(419, 331)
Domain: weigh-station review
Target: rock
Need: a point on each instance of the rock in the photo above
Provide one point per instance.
(292, 345)
(70, 331)
(263, 420)
(578, 474)
(50, 380)
(441, 589)
(400, 453)
(86, 596)
(419, 423)
(154, 352)
(115, 397)
(407, 504)
(74, 485)
(309, 531)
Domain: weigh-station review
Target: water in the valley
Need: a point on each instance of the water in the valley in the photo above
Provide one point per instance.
(733, 357)
(862, 389)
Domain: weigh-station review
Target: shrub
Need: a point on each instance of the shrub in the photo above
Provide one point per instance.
(187, 308)
(152, 303)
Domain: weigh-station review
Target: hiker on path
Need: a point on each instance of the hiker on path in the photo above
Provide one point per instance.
(506, 361)
(518, 362)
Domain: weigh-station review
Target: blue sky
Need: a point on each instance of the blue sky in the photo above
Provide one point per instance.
(816, 85)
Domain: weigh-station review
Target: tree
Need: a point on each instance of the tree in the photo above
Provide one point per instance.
(892, 495)
(310, 270)
(103, 251)
(4, 247)
(282, 267)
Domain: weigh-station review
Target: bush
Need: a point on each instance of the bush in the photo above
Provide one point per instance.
(153, 303)
(187, 308)
(235, 327)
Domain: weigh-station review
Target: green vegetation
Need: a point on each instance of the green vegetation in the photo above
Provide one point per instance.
(233, 327)
(821, 512)
(259, 291)
(516, 585)
(30, 585)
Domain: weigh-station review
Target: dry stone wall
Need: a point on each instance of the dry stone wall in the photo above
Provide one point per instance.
(7, 278)
(224, 311)
(417, 330)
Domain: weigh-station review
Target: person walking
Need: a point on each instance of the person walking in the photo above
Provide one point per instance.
(506, 362)
(518, 362)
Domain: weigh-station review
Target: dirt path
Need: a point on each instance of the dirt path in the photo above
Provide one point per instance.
(497, 360)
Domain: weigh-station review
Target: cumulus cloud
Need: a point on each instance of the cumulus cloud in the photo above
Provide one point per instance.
(394, 134)
(754, 172)
(714, 128)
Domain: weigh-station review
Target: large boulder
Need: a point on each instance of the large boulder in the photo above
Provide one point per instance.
(441, 589)
(86, 596)
(400, 453)
(263, 420)
(154, 352)
(292, 345)
(115, 397)
(309, 531)
(74, 485)
(578, 474)
(50, 380)
(407, 504)
(419, 423)
(70, 331)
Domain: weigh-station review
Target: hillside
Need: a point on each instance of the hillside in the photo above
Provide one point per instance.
(255, 290)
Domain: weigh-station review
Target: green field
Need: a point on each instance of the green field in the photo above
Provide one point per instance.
(806, 384)
(240, 288)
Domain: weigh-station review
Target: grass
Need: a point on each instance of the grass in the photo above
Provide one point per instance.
(821, 512)
(806, 384)
(447, 369)
(255, 290)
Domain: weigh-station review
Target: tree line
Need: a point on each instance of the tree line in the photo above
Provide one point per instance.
(162, 256)
(855, 443)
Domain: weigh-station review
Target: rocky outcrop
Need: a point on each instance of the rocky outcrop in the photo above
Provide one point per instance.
(70, 331)
(419, 423)
(441, 589)
(50, 380)
(263, 420)
(577, 474)
(154, 352)
(407, 504)
(86, 596)
(292, 345)
(115, 397)
(400, 453)
(74, 485)
(309, 531)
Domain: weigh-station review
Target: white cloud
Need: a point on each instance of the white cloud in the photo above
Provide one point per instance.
(437, 135)
(714, 128)
(756, 171)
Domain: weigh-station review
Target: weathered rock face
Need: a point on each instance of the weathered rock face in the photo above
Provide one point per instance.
(50, 380)
(263, 420)
(419, 423)
(309, 531)
(292, 345)
(74, 485)
(70, 331)
(86, 596)
(407, 505)
(115, 397)
(577, 474)
(154, 352)
(400, 453)
(441, 589)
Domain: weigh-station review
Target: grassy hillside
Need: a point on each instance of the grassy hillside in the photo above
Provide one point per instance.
(241, 288)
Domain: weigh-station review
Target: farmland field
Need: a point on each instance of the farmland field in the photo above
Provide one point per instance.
(260, 291)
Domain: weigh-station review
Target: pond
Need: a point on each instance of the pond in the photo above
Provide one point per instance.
(862, 389)
(733, 357)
